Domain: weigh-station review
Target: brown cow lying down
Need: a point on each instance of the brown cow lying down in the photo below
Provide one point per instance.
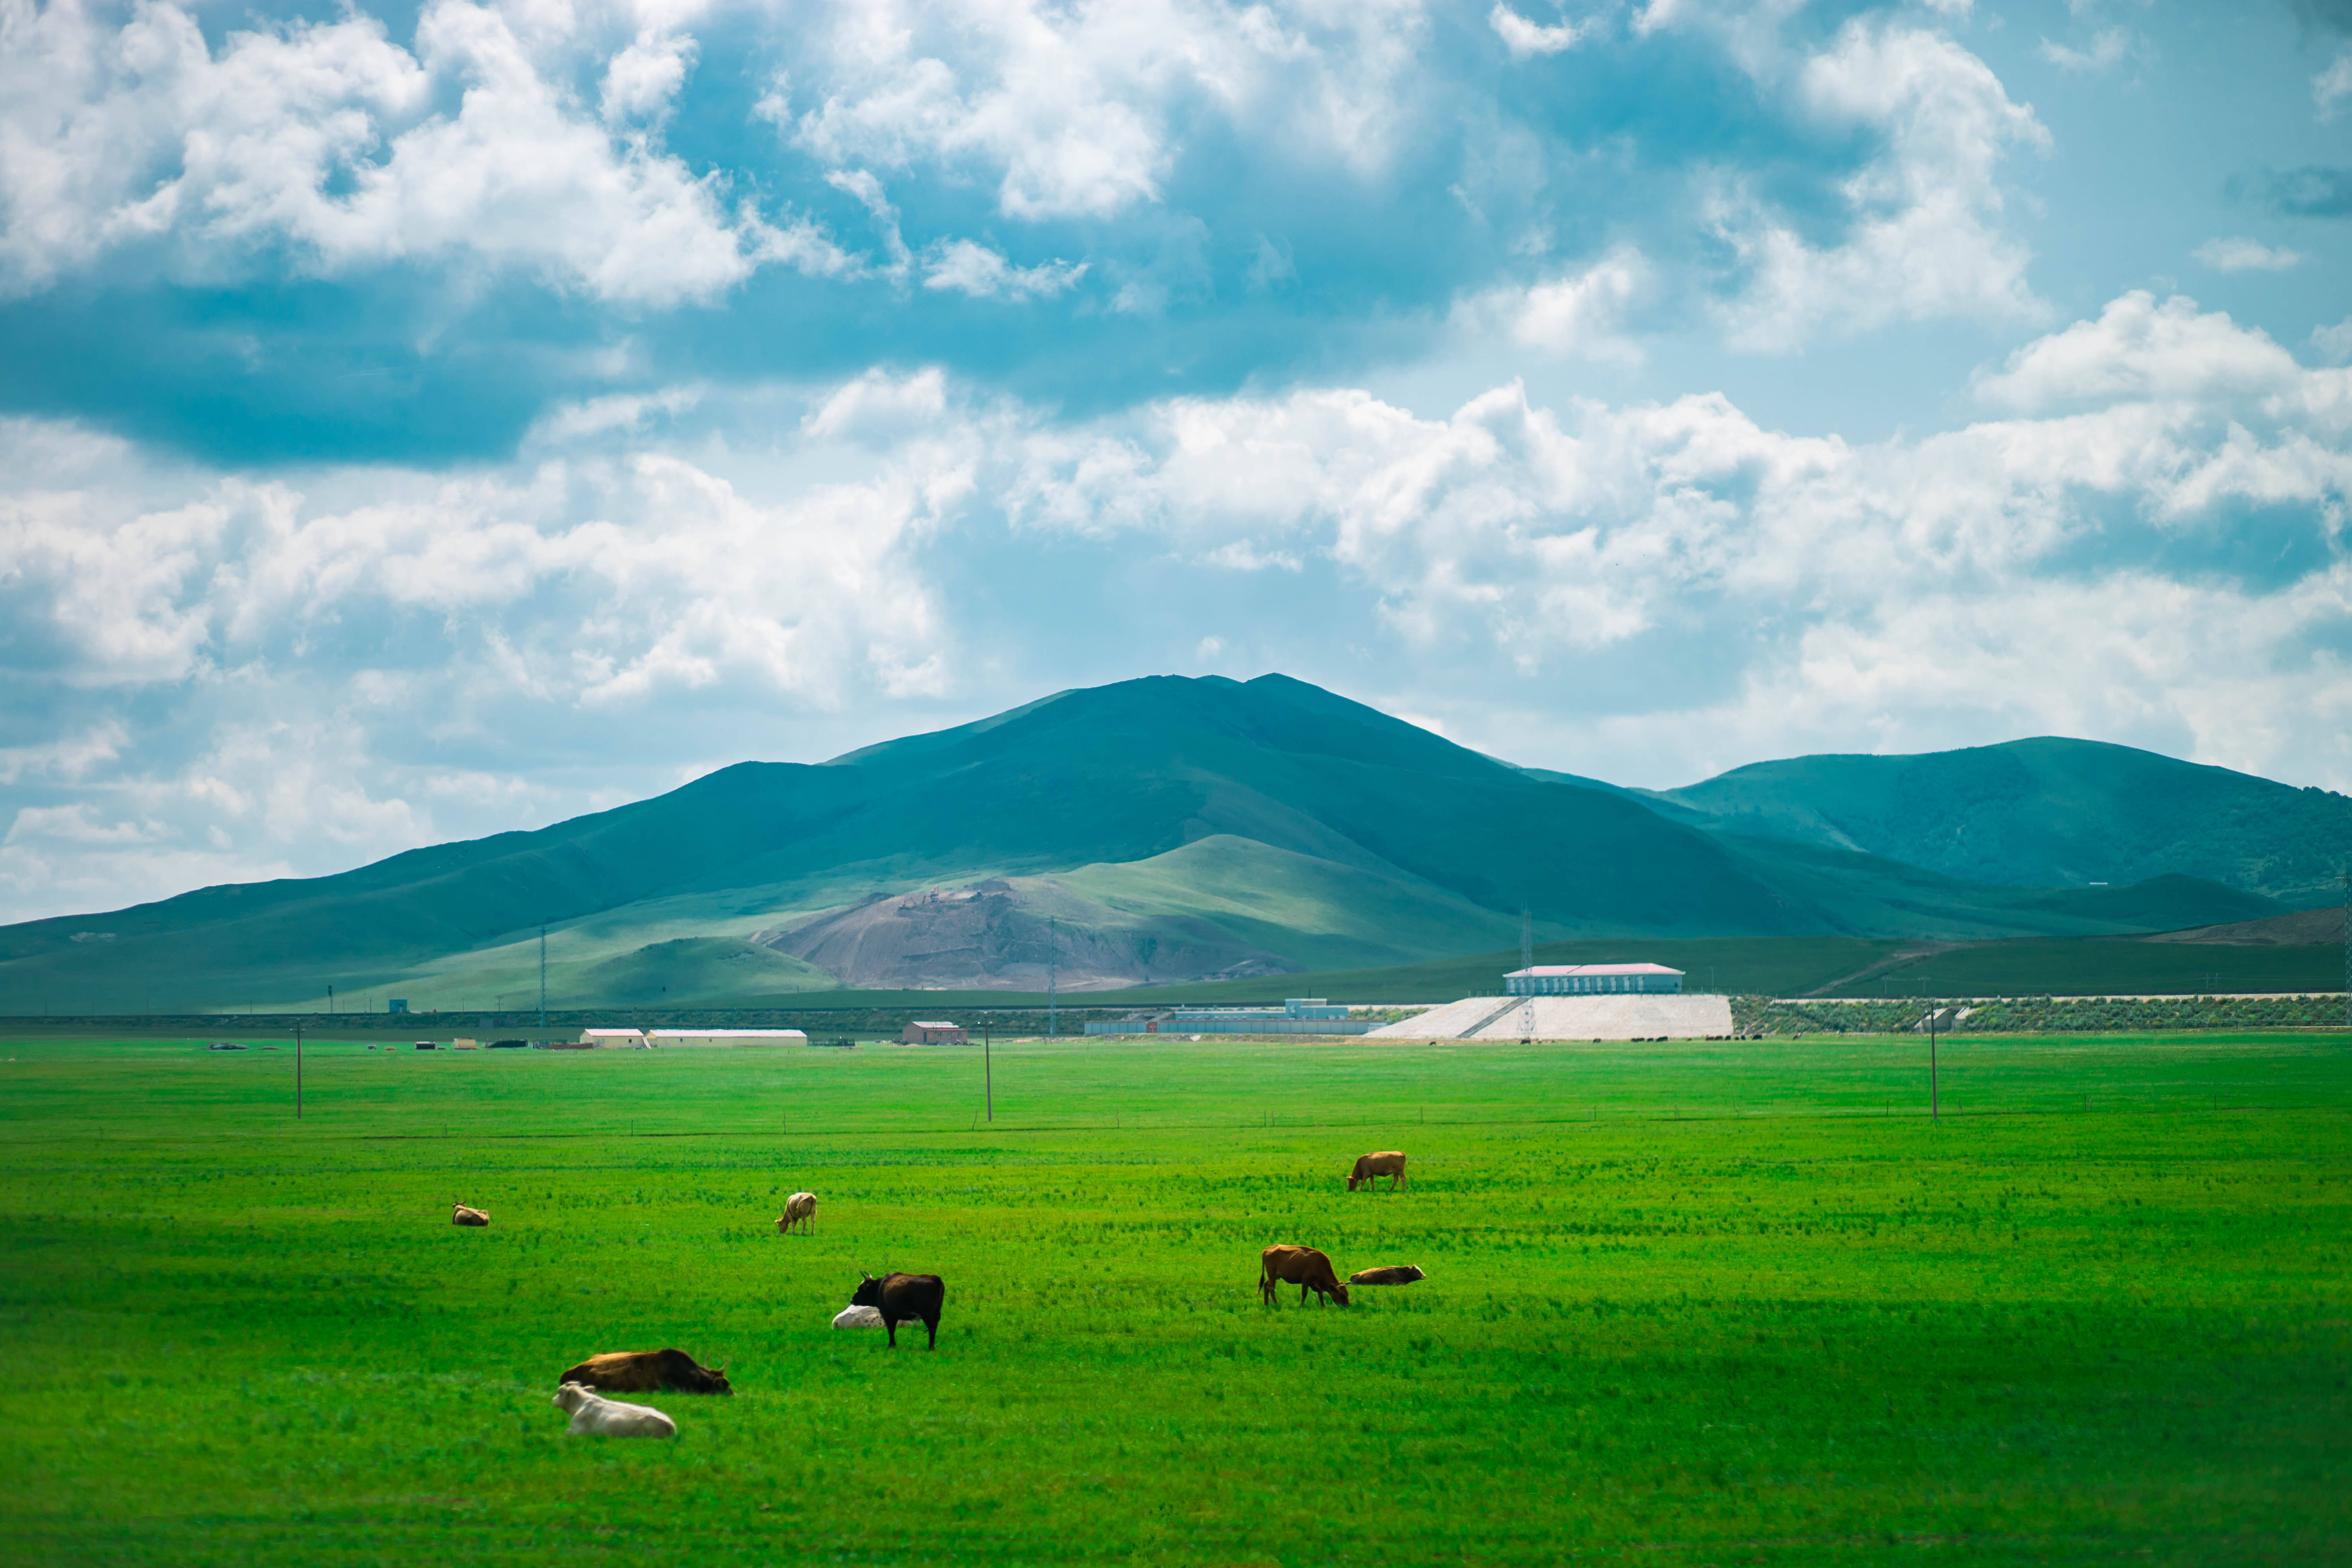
(1300, 1266)
(461, 1214)
(901, 1298)
(647, 1371)
(1396, 1274)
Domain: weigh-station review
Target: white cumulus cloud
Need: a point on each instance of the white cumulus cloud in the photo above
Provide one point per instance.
(2141, 349)
(2107, 48)
(966, 267)
(2331, 87)
(2241, 255)
(1074, 109)
(332, 140)
(1924, 239)
(1526, 39)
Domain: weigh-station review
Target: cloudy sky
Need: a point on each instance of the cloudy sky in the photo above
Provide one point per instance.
(424, 419)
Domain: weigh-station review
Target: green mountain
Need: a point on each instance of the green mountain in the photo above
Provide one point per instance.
(1154, 831)
(1128, 816)
(2046, 812)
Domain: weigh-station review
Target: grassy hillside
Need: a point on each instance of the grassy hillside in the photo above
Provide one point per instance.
(2106, 966)
(1114, 776)
(1871, 895)
(2047, 812)
(1317, 914)
(1190, 830)
(1746, 965)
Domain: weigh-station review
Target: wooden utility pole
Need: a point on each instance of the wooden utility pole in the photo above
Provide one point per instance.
(298, 1072)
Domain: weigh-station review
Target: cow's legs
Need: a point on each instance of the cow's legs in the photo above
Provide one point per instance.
(934, 1324)
(890, 1327)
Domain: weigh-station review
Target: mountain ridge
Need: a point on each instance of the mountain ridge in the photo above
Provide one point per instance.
(1253, 822)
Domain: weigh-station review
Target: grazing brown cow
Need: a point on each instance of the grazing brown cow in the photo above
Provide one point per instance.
(1303, 1267)
(461, 1214)
(1387, 1162)
(648, 1372)
(800, 1209)
(901, 1298)
(1397, 1274)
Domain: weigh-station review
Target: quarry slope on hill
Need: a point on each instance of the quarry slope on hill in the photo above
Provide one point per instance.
(1157, 830)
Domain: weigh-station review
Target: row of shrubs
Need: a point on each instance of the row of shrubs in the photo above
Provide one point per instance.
(2038, 1015)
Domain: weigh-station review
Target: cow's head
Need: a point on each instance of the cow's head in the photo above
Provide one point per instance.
(712, 1380)
(869, 1292)
(1339, 1294)
(569, 1396)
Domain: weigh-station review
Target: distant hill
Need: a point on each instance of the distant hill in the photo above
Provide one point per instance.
(1155, 831)
(1349, 836)
(2321, 927)
(2046, 812)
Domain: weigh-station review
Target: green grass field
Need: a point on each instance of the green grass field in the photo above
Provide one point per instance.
(1731, 1302)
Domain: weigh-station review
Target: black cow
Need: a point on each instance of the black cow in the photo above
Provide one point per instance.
(902, 1299)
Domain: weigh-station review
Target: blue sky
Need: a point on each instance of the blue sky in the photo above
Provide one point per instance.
(424, 421)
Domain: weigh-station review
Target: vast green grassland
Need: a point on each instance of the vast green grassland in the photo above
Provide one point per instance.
(1733, 1302)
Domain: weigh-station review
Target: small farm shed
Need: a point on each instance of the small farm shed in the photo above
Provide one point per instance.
(613, 1039)
(934, 1033)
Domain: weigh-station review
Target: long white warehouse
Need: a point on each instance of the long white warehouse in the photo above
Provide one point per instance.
(1592, 980)
(670, 1039)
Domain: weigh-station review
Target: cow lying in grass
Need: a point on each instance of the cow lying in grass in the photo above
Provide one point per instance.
(1397, 1274)
(460, 1215)
(596, 1415)
(858, 1318)
(800, 1210)
(903, 1298)
(1303, 1267)
(648, 1372)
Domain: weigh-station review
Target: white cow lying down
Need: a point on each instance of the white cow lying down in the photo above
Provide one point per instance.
(592, 1412)
(858, 1318)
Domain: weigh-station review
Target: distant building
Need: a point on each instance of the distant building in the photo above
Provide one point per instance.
(399, 1004)
(934, 1033)
(674, 1040)
(613, 1039)
(1591, 979)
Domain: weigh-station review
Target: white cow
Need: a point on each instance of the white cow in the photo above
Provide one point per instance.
(859, 1318)
(592, 1412)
